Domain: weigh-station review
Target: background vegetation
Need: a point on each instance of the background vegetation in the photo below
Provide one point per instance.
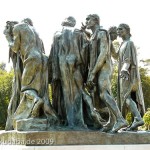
(5, 93)
(6, 87)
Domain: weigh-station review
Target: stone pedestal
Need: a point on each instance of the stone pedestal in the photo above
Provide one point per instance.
(32, 124)
(57, 138)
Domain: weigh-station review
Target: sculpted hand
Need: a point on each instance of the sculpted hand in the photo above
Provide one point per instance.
(124, 74)
(91, 77)
(90, 84)
(83, 27)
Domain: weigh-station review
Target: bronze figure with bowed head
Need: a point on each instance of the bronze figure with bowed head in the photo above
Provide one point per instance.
(34, 100)
(68, 60)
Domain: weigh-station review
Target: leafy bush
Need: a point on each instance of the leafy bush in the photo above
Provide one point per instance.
(146, 119)
(114, 81)
(129, 118)
(145, 79)
(5, 94)
(50, 93)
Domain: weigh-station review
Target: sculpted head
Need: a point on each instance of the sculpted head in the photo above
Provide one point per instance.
(9, 27)
(113, 32)
(92, 20)
(123, 30)
(69, 21)
(28, 21)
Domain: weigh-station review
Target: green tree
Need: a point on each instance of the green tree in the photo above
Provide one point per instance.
(114, 81)
(145, 79)
(116, 44)
(115, 71)
(146, 119)
(5, 93)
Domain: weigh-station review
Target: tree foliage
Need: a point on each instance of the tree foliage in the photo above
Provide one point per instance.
(5, 93)
(145, 79)
(146, 119)
(6, 89)
(116, 44)
(114, 81)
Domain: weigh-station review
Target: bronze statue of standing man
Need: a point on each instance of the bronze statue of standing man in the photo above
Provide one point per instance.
(129, 83)
(100, 68)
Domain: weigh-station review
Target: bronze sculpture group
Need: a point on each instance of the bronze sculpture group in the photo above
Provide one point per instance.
(79, 69)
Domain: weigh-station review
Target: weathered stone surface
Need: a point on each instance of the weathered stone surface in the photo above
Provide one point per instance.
(32, 124)
(43, 138)
(78, 147)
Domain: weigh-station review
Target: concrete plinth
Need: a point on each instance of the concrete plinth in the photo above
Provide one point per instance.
(78, 147)
(57, 138)
(31, 124)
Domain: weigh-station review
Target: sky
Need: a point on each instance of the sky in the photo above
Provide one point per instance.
(47, 16)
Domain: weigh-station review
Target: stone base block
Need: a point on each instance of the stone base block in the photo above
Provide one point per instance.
(32, 124)
(78, 147)
(57, 138)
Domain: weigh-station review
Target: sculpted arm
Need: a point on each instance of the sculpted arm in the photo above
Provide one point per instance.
(14, 42)
(104, 47)
(127, 60)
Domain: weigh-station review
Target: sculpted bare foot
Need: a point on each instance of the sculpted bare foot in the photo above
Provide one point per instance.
(135, 124)
(118, 125)
(107, 127)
